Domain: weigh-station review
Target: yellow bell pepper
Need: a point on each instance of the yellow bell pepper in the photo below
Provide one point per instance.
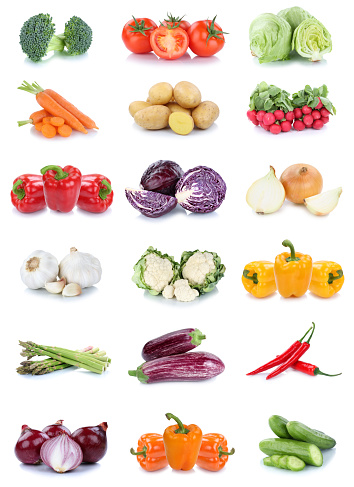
(292, 272)
(327, 278)
(258, 278)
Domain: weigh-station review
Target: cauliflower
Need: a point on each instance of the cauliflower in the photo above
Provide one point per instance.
(198, 266)
(168, 292)
(184, 292)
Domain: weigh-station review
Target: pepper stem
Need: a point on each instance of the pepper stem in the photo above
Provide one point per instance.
(221, 452)
(251, 278)
(313, 331)
(317, 371)
(142, 452)
(104, 192)
(60, 174)
(305, 334)
(19, 192)
(181, 429)
(292, 258)
(334, 278)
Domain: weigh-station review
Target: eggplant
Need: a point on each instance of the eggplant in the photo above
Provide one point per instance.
(193, 366)
(173, 343)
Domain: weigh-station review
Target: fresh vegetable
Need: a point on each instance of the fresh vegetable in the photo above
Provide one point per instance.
(294, 16)
(34, 118)
(206, 38)
(205, 114)
(77, 37)
(61, 453)
(214, 453)
(313, 99)
(287, 462)
(187, 95)
(203, 270)
(160, 94)
(182, 444)
(28, 446)
(266, 195)
(181, 123)
(192, 366)
(151, 452)
(278, 425)
(61, 187)
(93, 442)
(96, 194)
(36, 37)
(48, 131)
(181, 290)
(301, 181)
(308, 453)
(270, 38)
(295, 464)
(269, 98)
(27, 194)
(258, 278)
(136, 35)
(162, 177)
(153, 118)
(301, 432)
(80, 268)
(150, 203)
(311, 39)
(173, 343)
(169, 42)
(268, 462)
(56, 429)
(38, 268)
(174, 107)
(135, 106)
(327, 278)
(71, 290)
(323, 204)
(310, 369)
(292, 272)
(173, 21)
(200, 190)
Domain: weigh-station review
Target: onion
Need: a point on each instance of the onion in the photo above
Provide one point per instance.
(28, 446)
(93, 442)
(323, 203)
(266, 195)
(61, 453)
(56, 429)
(301, 181)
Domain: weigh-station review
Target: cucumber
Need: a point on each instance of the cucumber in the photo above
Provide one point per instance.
(278, 426)
(267, 462)
(302, 432)
(308, 452)
(275, 460)
(282, 461)
(295, 464)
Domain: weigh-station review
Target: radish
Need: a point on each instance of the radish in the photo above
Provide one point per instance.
(325, 112)
(320, 105)
(317, 124)
(269, 119)
(260, 115)
(266, 127)
(298, 113)
(251, 114)
(255, 122)
(325, 119)
(285, 126)
(275, 128)
(308, 120)
(279, 114)
(316, 114)
(306, 110)
(289, 116)
(299, 125)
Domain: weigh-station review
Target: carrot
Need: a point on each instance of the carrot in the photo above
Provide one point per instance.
(34, 118)
(48, 130)
(57, 121)
(47, 120)
(64, 130)
(84, 119)
(38, 126)
(47, 102)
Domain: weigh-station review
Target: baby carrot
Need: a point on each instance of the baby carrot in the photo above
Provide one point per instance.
(34, 118)
(48, 130)
(38, 126)
(57, 121)
(64, 130)
(47, 119)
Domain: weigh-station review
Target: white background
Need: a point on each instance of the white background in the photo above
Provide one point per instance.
(120, 318)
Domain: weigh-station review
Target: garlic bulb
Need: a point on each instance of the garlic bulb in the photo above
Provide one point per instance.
(80, 268)
(323, 203)
(266, 195)
(39, 267)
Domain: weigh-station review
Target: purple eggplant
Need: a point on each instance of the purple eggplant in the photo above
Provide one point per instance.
(193, 366)
(173, 343)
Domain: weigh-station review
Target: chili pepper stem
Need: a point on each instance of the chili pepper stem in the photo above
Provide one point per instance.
(221, 452)
(313, 331)
(317, 371)
(181, 429)
(292, 258)
(305, 334)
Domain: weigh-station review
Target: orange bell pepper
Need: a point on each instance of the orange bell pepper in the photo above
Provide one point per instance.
(214, 452)
(258, 278)
(182, 444)
(151, 452)
(327, 278)
(292, 272)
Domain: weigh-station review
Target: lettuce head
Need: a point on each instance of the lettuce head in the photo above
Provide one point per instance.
(312, 40)
(294, 16)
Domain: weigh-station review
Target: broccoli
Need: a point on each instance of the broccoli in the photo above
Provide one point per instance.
(37, 37)
(77, 36)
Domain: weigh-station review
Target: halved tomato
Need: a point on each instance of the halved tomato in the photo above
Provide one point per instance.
(169, 42)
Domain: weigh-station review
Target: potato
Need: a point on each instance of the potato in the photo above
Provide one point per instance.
(160, 94)
(187, 95)
(174, 107)
(153, 118)
(205, 114)
(135, 106)
(181, 123)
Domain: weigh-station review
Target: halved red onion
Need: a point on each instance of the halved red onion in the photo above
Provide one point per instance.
(93, 442)
(56, 429)
(61, 453)
(28, 446)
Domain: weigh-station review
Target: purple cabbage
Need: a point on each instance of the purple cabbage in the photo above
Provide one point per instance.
(150, 204)
(201, 190)
(161, 177)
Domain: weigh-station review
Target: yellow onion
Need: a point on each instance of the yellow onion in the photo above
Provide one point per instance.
(266, 195)
(301, 181)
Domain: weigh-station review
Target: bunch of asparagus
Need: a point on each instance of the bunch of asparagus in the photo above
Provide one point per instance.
(89, 358)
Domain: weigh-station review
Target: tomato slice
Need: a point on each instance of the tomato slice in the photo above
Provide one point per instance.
(168, 42)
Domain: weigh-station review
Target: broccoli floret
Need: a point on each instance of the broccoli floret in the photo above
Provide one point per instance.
(77, 36)
(36, 35)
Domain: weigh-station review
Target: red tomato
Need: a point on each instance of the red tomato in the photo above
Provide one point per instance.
(206, 37)
(173, 21)
(136, 35)
(169, 42)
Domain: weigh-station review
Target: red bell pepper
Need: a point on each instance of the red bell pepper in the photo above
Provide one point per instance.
(27, 193)
(96, 193)
(61, 187)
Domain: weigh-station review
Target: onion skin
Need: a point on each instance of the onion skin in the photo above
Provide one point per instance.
(301, 181)
(56, 429)
(93, 442)
(28, 446)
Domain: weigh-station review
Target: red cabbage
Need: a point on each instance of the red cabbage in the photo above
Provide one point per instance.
(149, 203)
(161, 177)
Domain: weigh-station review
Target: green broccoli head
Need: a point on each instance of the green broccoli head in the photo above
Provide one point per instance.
(36, 35)
(77, 36)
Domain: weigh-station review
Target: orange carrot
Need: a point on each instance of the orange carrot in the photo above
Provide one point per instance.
(38, 126)
(34, 118)
(47, 119)
(64, 130)
(48, 130)
(84, 119)
(57, 121)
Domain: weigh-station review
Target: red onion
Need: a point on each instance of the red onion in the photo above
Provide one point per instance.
(93, 442)
(28, 446)
(61, 453)
(56, 429)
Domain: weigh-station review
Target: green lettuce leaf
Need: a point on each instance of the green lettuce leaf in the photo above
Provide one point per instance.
(294, 16)
(212, 278)
(312, 40)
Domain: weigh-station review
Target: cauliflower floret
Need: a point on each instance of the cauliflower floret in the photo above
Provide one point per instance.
(168, 292)
(198, 266)
(158, 273)
(184, 292)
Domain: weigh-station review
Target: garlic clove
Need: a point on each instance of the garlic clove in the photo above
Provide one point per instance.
(55, 287)
(266, 195)
(324, 203)
(71, 290)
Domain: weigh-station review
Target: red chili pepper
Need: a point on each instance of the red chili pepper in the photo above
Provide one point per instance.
(61, 187)
(281, 358)
(310, 369)
(96, 193)
(27, 193)
(294, 357)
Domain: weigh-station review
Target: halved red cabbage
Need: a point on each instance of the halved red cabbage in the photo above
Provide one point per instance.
(162, 177)
(201, 190)
(149, 203)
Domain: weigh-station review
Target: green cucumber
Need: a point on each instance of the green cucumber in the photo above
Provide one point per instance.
(275, 460)
(302, 432)
(267, 462)
(295, 464)
(307, 452)
(282, 461)
(278, 426)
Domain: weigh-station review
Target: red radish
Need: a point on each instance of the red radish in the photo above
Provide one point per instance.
(285, 126)
(266, 127)
(299, 125)
(275, 128)
(260, 115)
(320, 105)
(251, 114)
(308, 120)
(308, 126)
(317, 124)
(289, 116)
(279, 114)
(269, 119)
(325, 119)
(298, 113)
(316, 115)
(306, 110)
(255, 122)
(325, 112)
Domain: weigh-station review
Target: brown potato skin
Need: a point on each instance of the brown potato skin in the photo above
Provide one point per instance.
(205, 114)
(135, 106)
(187, 95)
(174, 107)
(160, 94)
(153, 118)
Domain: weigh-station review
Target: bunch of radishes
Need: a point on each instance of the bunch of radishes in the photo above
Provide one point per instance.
(274, 122)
